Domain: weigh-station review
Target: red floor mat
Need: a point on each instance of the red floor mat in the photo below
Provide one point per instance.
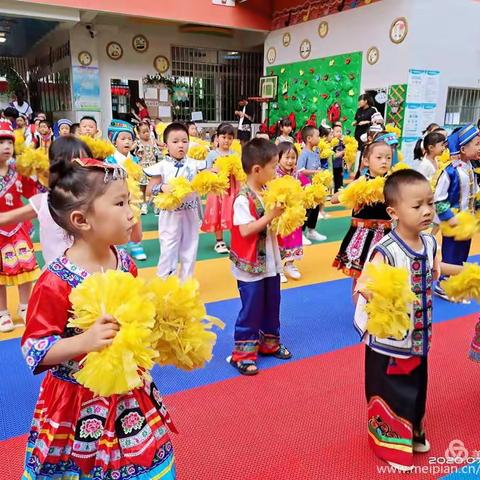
(305, 420)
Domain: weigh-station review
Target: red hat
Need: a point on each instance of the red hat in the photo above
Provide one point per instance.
(6, 130)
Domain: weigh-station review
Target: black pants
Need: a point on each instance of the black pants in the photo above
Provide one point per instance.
(337, 179)
(312, 217)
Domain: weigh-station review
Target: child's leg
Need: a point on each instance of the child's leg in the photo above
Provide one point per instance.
(219, 235)
(3, 298)
(187, 254)
(312, 217)
(169, 224)
(24, 291)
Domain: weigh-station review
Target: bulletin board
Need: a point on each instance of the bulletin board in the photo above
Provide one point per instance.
(328, 87)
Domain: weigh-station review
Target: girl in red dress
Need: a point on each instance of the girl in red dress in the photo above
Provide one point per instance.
(76, 434)
(18, 265)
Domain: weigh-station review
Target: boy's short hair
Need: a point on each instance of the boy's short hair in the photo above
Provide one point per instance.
(226, 129)
(308, 131)
(257, 152)
(323, 131)
(395, 181)
(45, 122)
(337, 124)
(174, 127)
(88, 117)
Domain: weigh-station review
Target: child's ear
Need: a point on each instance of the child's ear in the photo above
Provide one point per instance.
(256, 169)
(79, 221)
(392, 213)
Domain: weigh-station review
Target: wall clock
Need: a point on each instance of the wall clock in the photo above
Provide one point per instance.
(271, 55)
(114, 51)
(140, 43)
(399, 30)
(161, 64)
(305, 49)
(323, 29)
(286, 39)
(373, 55)
(84, 58)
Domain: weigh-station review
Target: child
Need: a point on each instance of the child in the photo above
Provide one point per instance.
(75, 129)
(121, 134)
(285, 128)
(256, 263)
(433, 145)
(18, 264)
(88, 127)
(192, 129)
(75, 433)
(291, 247)
(309, 164)
(146, 150)
(219, 209)
(178, 229)
(456, 189)
(21, 129)
(338, 162)
(369, 223)
(396, 370)
(44, 136)
(63, 127)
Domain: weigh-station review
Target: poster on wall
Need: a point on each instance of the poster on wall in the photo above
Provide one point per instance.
(86, 89)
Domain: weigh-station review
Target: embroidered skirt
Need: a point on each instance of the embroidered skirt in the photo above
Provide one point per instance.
(291, 246)
(77, 435)
(475, 347)
(360, 238)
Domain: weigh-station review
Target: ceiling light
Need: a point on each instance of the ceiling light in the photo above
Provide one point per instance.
(3, 39)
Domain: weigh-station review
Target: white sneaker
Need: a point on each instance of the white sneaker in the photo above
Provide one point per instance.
(305, 240)
(283, 278)
(315, 236)
(144, 209)
(221, 247)
(421, 447)
(292, 271)
(401, 468)
(6, 324)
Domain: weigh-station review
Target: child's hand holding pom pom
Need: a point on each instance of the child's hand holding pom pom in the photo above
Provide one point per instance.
(177, 190)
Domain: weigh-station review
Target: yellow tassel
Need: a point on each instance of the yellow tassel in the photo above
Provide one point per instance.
(334, 142)
(315, 194)
(286, 192)
(363, 192)
(100, 148)
(351, 148)
(207, 182)
(34, 163)
(230, 165)
(468, 226)
(122, 366)
(181, 188)
(198, 152)
(391, 128)
(391, 298)
(324, 149)
(465, 285)
(323, 177)
(236, 147)
(183, 335)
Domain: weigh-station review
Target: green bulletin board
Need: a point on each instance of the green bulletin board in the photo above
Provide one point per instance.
(314, 86)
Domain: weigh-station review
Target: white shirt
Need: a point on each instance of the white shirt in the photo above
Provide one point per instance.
(425, 167)
(243, 216)
(25, 109)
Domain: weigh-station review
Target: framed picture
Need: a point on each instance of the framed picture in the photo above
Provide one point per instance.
(114, 50)
(399, 30)
(269, 87)
(140, 43)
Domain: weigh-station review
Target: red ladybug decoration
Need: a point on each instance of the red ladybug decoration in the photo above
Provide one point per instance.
(293, 120)
(324, 96)
(347, 61)
(333, 112)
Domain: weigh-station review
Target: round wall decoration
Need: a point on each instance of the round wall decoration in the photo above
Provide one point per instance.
(114, 50)
(399, 30)
(140, 43)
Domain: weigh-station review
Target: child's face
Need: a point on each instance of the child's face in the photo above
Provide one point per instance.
(337, 132)
(414, 209)
(43, 128)
(88, 127)
(192, 131)
(471, 151)
(177, 144)
(267, 172)
(314, 138)
(144, 133)
(111, 218)
(64, 130)
(124, 142)
(20, 122)
(287, 130)
(6, 149)
(436, 149)
(288, 161)
(379, 160)
(225, 142)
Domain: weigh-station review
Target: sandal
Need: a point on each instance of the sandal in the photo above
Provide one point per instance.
(282, 353)
(242, 366)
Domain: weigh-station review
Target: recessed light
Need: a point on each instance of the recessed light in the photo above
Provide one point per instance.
(3, 39)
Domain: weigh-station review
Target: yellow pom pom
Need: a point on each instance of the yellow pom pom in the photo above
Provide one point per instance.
(19, 142)
(444, 159)
(181, 188)
(363, 192)
(465, 285)
(183, 335)
(391, 297)
(400, 166)
(34, 163)
(123, 365)
(133, 169)
(468, 226)
(334, 142)
(391, 128)
(351, 148)
(323, 177)
(324, 149)
(198, 152)
(208, 182)
(230, 165)
(101, 149)
(298, 147)
(315, 194)
(160, 128)
(286, 192)
(236, 147)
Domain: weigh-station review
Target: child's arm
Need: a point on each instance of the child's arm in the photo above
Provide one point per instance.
(17, 215)
(449, 269)
(442, 205)
(259, 225)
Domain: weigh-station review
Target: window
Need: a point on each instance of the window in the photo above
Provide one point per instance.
(463, 106)
(215, 79)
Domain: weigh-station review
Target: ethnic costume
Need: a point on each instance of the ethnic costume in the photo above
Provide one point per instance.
(475, 346)
(396, 370)
(256, 265)
(18, 264)
(369, 225)
(76, 434)
(148, 154)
